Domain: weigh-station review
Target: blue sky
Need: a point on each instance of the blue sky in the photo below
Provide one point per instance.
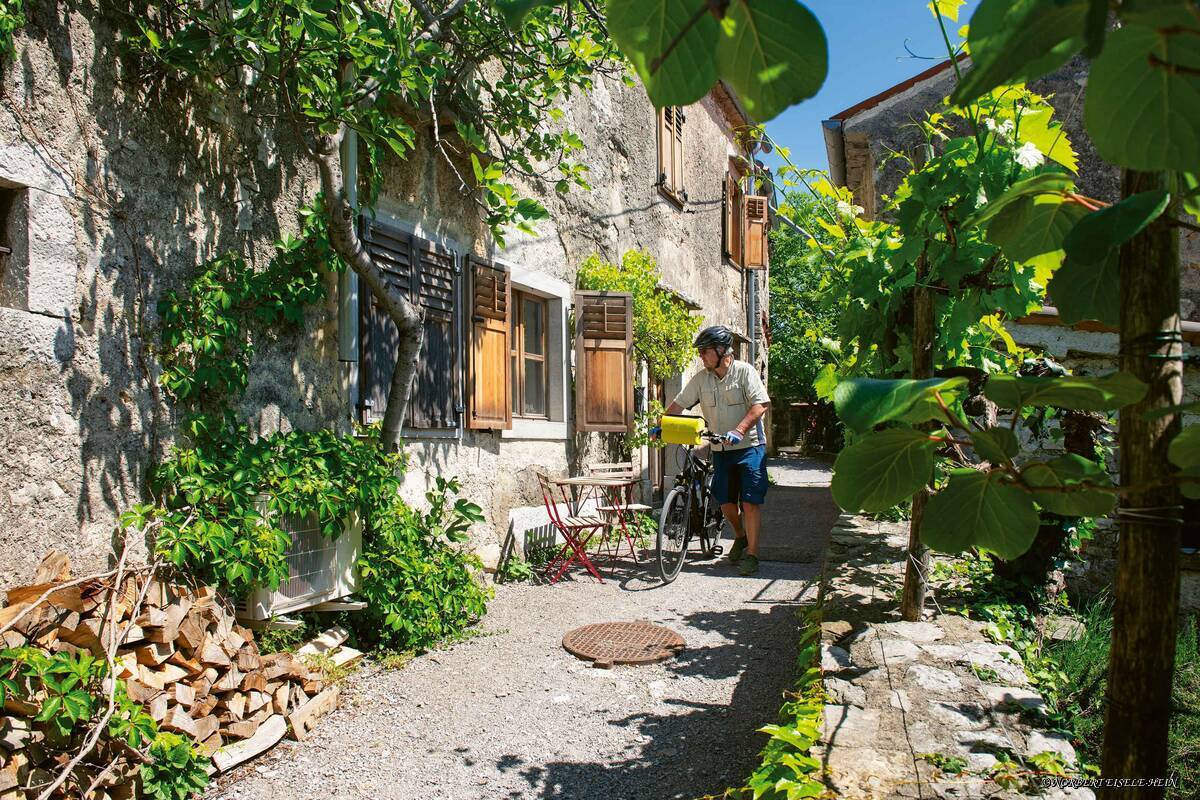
(866, 56)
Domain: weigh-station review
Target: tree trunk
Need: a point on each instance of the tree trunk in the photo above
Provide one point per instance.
(916, 567)
(1146, 597)
(409, 319)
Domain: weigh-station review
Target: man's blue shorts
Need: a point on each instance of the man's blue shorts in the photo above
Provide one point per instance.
(740, 475)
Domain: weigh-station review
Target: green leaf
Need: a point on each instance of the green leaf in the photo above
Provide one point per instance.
(1080, 393)
(1107, 229)
(515, 11)
(863, 403)
(825, 384)
(1088, 285)
(1184, 450)
(1158, 413)
(1142, 96)
(1031, 231)
(1014, 41)
(1065, 471)
(946, 8)
(980, 509)
(1044, 183)
(644, 30)
(1087, 290)
(996, 445)
(882, 469)
(774, 53)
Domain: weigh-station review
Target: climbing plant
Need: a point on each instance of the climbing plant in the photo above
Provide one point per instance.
(388, 73)
(663, 326)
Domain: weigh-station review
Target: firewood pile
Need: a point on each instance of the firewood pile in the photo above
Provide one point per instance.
(179, 652)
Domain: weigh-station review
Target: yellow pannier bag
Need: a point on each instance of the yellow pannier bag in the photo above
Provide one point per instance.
(682, 430)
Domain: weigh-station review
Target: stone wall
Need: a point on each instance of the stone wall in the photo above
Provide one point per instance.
(129, 191)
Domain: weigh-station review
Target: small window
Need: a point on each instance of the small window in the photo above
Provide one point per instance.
(670, 153)
(530, 386)
(14, 247)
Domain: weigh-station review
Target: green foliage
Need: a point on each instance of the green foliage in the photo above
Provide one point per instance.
(989, 505)
(222, 499)
(773, 52)
(419, 584)
(176, 772)
(205, 345)
(12, 17)
(949, 765)
(68, 693)
(883, 469)
(787, 770)
(377, 68)
(663, 326)
(1184, 452)
(514, 569)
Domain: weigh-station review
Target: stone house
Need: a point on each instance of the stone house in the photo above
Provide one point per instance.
(110, 196)
(857, 141)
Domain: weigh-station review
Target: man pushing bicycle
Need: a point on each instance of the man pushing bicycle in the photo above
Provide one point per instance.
(733, 399)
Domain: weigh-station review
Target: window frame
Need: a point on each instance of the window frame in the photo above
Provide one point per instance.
(670, 181)
(518, 355)
(734, 217)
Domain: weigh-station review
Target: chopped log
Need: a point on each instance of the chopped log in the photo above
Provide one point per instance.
(279, 699)
(234, 703)
(346, 656)
(184, 695)
(170, 629)
(202, 686)
(242, 729)
(126, 665)
(212, 744)
(231, 680)
(15, 705)
(69, 598)
(313, 684)
(16, 734)
(151, 677)
(12, 638)
(254, 681)
(192, 666)
(192, 630)
(212, 654)
(205, 727)
(210, 674)
(153, 653)
(326, 641)
(233, 642)
(170, 673)
(178, 720)
(204, 706)
(140, 692)
(157, 706)
(280, 665)
(305, 717)
(55, 568)
(152, 617)
(256, 700)
(266, 737)
(248, 661)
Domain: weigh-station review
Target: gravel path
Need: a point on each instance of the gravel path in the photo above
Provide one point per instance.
(510, 714)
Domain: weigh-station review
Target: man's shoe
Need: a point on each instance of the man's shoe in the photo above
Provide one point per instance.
(735, 552)
(748, 564)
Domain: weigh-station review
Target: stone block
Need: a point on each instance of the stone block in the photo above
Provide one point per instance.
(850, 726)
(834, 659)
(845, 692)
(934, 679)
(913, 631)
(1039, 742)
(1006, 696)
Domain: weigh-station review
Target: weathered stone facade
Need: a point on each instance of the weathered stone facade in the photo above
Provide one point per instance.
(122, 191)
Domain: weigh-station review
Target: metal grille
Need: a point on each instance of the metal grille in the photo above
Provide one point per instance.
(609, 643)
(310, 558)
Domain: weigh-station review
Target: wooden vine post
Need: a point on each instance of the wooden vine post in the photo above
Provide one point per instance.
(916, 565)
(1146, 599)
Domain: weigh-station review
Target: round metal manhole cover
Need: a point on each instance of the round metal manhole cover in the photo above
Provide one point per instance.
(609, 643)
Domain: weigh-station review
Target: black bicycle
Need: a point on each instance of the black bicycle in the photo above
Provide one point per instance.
(689, 512)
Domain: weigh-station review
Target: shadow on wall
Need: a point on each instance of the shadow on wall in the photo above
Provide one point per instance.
(691, 748)
(161, 193)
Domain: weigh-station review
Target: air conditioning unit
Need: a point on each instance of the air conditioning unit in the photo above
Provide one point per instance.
(319, 569)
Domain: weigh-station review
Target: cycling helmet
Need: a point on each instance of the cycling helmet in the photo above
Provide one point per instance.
(717, 336)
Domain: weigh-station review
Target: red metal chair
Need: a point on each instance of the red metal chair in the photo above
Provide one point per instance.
(577, 530)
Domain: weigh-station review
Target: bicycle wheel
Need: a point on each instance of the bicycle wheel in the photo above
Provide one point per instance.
(710, 533)
(673, 533)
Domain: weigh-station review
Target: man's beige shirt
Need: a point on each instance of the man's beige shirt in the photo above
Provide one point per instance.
(724, 402)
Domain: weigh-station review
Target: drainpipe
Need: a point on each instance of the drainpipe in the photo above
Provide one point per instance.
(348, 280)
(752, 314)
(835, 150)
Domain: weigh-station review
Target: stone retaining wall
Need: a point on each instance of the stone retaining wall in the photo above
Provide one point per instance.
(898, 690)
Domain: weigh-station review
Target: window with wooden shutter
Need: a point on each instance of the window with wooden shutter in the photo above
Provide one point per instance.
(670, 152)
(488, 374)
(426, 274)
(756, 232)
(603, 361)
(732, 227)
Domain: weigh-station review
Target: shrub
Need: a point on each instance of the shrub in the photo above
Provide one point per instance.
(420, 585)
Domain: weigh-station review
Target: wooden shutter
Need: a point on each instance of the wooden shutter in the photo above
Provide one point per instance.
(666, 140)
(755, 214)
(425, 274)
(489, 370)
(603, 361)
